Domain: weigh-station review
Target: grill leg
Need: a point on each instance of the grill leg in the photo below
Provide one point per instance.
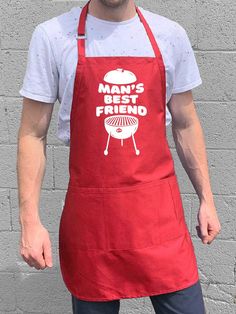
(137, 151)
(106, 150)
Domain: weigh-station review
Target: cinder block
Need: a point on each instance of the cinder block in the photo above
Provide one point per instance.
(5, 211)
(7, 292)
(8, 165)
(43, 293)
(61, 167)
(13, 107)
(1, 68)
(218, 123)
(214, 306)
(14, 312)
(219, 292)
(216, 261)
(8, 256)
(14, 63)
(216, 24)
(218, 73)
(4, 135)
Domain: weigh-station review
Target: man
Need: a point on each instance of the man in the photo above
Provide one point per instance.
(115, 68)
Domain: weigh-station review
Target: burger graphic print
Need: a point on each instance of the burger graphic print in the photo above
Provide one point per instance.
(121, 92)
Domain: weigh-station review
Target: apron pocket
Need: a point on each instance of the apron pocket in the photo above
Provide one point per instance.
(131, 216)
(177, 199)
(82, 224)
(170, 211)
(141, 216)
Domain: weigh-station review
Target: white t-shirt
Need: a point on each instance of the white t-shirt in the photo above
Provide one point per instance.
(52, 56)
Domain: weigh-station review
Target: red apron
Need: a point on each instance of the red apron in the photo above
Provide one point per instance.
(122, 231)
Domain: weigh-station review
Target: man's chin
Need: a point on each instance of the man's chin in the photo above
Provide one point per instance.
(113, 3)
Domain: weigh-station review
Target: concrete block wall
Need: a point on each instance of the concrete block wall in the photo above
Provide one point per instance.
(211, 26)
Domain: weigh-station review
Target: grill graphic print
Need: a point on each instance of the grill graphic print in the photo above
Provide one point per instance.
(121, 127)
(121, 92)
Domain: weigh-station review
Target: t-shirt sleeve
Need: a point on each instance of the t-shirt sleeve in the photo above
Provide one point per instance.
(41, 77)
(187, 75)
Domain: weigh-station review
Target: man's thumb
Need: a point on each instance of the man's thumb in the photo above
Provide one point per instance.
(47, 250)
(204, 232)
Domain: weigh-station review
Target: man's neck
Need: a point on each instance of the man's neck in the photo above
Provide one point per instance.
(117, 14)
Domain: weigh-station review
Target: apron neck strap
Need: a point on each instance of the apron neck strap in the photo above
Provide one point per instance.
(81, 32)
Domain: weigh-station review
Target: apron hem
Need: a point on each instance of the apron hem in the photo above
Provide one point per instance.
(143, 294)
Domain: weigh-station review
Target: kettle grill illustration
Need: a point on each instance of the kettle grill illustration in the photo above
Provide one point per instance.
(121, 127)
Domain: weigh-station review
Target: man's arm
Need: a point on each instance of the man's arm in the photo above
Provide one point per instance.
(35, 246)
(190, 145)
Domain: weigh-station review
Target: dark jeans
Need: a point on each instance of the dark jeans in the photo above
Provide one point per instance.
(185, 301)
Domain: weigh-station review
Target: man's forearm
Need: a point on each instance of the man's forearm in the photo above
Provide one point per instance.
(190, 146)
(31, 161)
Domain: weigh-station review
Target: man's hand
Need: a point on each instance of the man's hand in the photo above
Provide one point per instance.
(35, 245)
(209, 225)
